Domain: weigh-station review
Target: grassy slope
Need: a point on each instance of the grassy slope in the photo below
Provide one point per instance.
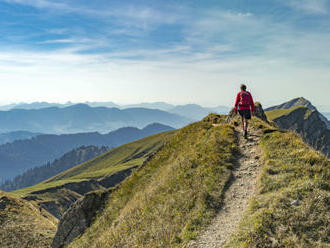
(166, 202)
(22, 225)
(273, 114)
(120, 158)
(292, 171)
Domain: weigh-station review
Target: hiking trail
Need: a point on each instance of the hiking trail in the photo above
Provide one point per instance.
(237, 194)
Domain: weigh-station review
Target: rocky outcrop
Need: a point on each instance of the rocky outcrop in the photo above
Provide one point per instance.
(78, 217)
(309, 125)
(259, 112)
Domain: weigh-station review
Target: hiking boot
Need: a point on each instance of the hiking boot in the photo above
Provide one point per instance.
(245, 134)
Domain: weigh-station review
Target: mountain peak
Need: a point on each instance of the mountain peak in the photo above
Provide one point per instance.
(300, 101)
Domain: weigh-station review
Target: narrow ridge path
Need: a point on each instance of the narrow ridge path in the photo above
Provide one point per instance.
(239, 191)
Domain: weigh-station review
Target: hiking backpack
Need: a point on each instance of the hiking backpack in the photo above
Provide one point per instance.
(244, 99)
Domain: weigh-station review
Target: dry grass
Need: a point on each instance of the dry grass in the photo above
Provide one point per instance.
(292, 172)
(273, 114)
(22, 225)
(167, 202)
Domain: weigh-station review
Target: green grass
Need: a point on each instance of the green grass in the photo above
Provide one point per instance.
(118, 159)
(276, 113)
(167, 201)
(22, 224)
(292, 171)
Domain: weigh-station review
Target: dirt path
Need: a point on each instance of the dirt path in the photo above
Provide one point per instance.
(237, 196)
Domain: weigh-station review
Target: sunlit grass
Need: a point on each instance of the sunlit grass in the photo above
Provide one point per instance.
(292, 172)
(167, 202)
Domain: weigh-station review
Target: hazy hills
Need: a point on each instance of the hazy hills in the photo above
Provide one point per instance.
(20, 155)
(16, 135)
(83, 118)
(190, 111)
(40, 173)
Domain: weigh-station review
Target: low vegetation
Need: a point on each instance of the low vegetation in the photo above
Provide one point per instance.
(291, 208)
(273, 114)
(23, 225)
(120, 158)
(167, 201)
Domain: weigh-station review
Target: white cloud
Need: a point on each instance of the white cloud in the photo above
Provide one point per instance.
(310, 6)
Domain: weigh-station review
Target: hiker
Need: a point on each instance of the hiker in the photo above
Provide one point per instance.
(245, 105)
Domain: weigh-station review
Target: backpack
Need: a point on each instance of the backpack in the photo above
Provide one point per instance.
(244, 99)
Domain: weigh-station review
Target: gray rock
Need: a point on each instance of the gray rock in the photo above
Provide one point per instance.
(78, 217)
(259, 112)
(295, 203)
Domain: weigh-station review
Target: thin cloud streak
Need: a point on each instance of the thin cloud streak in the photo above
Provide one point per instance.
(318, 7)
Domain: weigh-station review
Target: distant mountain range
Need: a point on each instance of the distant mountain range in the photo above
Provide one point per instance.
(21, 155)
(17, 135)
(40, 173)
(190, 111)
(83, 118)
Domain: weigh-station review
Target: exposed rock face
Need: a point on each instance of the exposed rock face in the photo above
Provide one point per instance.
(259, 112)
(300, 102)
(78, 217)
(310, 126)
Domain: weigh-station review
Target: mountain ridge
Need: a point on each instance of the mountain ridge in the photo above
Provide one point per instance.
(300, 101)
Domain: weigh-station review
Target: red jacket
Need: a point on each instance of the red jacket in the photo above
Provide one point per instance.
(241, 106)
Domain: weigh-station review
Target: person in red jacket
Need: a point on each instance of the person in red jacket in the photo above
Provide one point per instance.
(245, 106)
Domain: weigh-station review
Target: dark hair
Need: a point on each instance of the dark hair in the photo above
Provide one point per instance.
(243, 87)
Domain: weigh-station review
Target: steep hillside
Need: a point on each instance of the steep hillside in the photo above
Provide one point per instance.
(298, 102)
(83, 118)
(59, 192)
(41, 173)
(19, 156)
(305, 122)
(167, 200)
(23, 225)
(176, 194)
(291, 205)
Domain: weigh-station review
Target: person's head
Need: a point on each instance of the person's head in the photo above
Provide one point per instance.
(243, 87)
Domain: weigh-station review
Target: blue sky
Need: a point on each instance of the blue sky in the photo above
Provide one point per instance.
(176, 51)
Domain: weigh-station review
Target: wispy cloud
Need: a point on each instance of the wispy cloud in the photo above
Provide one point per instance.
(156, 49)
(43, 4)
(310, 6)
